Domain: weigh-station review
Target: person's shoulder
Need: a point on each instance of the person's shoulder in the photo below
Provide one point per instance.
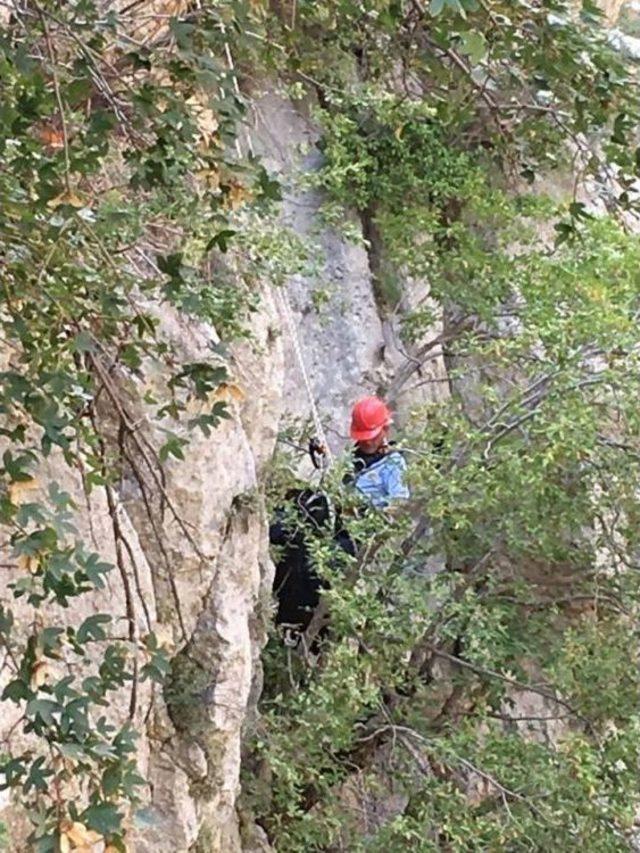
(396, 457)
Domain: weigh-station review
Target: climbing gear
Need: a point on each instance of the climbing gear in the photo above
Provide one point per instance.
(321, 438)
(317, 452)
(291, 635)
(368, 418)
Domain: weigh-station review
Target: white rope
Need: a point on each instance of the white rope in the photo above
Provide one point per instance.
(236, 89)
(286, 308)
(293, 332)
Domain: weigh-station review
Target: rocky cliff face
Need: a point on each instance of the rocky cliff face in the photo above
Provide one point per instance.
(612, 9)
(196, 565)
(196, 568)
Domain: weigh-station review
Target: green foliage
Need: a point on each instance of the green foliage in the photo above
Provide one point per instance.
(629, 21)
(498, 695)
(513, 79)
(434, 671)
(381, 149)
(120, 188)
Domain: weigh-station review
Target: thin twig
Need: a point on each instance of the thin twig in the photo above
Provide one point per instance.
(56, 87)
(479, 670)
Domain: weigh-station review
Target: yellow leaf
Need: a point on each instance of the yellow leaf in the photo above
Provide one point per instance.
(228, 391)
(164, 636)
(51, 136)
(237, 393)
(67, 197)
(20, 489)
(597, 293)
(209, 177)
(40, 674)
(64, 843)
(236, 195)
(81, 837)
(28, 563)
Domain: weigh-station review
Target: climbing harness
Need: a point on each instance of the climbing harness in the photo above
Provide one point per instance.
(319, 449)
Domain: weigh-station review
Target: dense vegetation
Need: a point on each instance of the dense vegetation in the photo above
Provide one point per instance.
(120, 184)
(498, 697)
(126, 180)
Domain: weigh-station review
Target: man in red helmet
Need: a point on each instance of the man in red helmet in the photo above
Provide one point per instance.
(379, 473)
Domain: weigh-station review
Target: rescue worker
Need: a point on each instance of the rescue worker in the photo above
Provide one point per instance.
(378, 475)
(379, 470)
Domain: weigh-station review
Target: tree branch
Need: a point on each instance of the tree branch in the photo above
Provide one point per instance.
(479, 670)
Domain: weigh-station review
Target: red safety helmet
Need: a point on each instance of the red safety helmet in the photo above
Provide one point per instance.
(368, 418)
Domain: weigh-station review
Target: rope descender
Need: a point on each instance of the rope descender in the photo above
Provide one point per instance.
(318, 454)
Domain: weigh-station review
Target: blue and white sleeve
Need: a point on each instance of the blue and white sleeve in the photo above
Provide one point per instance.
(396, 485)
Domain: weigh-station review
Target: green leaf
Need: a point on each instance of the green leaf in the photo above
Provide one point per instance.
(172, 447)
(46, 843)
(103, 818)
(457, 6)
(436, 6)
(474, 45)
(13, 770)
(43, 709)
(220, 411)
(91, 628)
(49, 639)
(565, 231)
(72, 750)
(63, 689)
(6, 621)
(16, 691)
(578, 210)
(95, 570)
(621, 127)
(93, 687)
(269, 188)
(83, 342)
(528, 174)
(111, 779)
(170, 264)
(221, 240)
(37, 776)
(183, 32)
(157, 668)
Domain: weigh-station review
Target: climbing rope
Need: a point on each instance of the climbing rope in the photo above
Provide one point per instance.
(293, 333)
(319, 447)
(236, 89)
